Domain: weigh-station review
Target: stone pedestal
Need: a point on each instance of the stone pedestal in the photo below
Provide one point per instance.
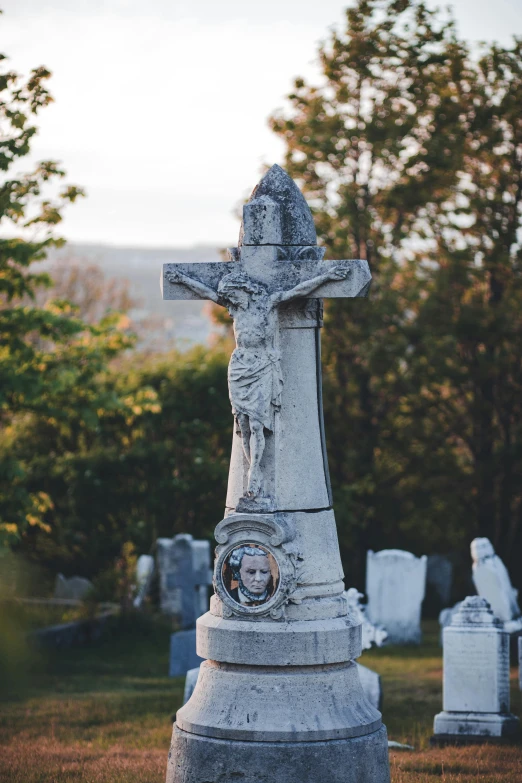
(476, 678)
(280, 697)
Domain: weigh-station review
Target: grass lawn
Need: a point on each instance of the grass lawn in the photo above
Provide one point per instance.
(102, 715)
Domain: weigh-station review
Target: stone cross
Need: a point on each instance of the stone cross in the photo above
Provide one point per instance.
(272, 287)
(184, 576)
(279, 682)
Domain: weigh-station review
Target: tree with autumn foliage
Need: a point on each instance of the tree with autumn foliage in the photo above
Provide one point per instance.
(51, 362)
(410, 152)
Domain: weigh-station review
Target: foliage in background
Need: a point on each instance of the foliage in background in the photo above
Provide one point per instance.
(410, 151)
(51, 361)
(156, 467)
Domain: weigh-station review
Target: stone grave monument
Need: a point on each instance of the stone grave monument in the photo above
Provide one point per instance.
(75, 588)
(395, 586)
(439, 576)
(279, 696)
(144, 575)
(492, 582)
(185, 573)
(475, 698)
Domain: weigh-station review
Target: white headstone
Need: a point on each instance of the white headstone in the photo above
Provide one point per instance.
(75, 588)
(492, 582)
(185, 573)
(371, 685)
(371, 634)
(476, 676)
(395, 586)
(440, 576)
(144, 574)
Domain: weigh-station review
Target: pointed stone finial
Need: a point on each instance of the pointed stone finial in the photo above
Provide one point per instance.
(277, 213)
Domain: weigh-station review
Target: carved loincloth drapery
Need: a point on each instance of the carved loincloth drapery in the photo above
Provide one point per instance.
(255, 383)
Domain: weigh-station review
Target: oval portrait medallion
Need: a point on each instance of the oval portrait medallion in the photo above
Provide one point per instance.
(250, 574)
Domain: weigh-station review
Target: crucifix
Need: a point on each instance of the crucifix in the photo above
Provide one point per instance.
(278, 636)
(273, 282)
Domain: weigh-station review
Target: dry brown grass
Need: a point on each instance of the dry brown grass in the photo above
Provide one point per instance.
(484, 764)
(103, 716)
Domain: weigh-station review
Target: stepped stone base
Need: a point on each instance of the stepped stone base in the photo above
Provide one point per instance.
(197, 759)
(464, 728)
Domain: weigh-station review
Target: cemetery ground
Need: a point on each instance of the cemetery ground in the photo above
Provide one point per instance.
(102, 714)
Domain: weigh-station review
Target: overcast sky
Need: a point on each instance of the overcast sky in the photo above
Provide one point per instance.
(161, 106)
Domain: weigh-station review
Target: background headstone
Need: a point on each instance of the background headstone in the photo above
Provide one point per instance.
(75, 588)
(183, 655)
(395, 586)
(492, 582)
(185, 573)
(371, 685)
(475, 677)
(439, 577)
(144, 574)
(190, 683)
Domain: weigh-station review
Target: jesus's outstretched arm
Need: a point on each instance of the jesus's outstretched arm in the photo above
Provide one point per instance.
(338, 272)
(202, 290)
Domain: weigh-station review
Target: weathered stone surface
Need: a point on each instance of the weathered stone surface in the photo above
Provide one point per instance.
(476, 675)
(370, 683)
(75, 588)
(278, 453)
(196, 759)
(263, 643)
(277, 213)
(184, 577)
(259, 718)
(395, 586)
(183, 655)
(492, 582)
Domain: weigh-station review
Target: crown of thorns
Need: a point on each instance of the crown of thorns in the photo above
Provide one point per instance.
(239, 279)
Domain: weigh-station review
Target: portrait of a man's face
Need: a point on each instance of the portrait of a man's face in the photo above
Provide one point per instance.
(250, 575)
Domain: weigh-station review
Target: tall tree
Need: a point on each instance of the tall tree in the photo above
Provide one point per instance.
(408, 152)
(49, 359)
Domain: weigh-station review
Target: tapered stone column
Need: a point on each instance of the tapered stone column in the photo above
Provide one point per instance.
(279, 696)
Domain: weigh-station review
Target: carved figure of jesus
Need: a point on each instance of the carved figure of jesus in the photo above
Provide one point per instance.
(255, 379)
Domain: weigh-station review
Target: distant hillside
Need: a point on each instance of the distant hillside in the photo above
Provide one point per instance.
(181, 323)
